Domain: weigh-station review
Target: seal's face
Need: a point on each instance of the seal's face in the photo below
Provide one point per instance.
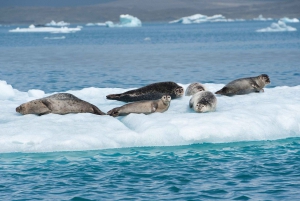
(179, 91)
(265, 78)
(200, 107)
(200, 88)
(32, 107)
(166, 99)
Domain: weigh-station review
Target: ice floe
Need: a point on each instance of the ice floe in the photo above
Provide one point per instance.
(32, 28)
(277, 27)
(95, 24)
(125, 21)
(274, 114)
(199, 18)
(261, 18)
(289, 20)
(59, 24)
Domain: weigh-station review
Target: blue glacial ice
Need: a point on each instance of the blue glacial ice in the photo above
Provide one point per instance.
(125, 21)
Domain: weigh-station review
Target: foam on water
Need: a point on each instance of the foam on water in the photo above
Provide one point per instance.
(55, 38)
(274, 114)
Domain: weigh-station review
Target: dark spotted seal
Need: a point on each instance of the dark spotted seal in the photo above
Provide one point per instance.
(150, 92)
(194, 88)
(203, 101)
(245, 85)
(145, 107)
(61, 103)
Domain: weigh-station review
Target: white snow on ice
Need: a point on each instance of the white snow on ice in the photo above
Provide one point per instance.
(274, 114)
(125, 21)
(289, 20)
(59, 24)
(277, 27)
(261, 18)
(32, 28)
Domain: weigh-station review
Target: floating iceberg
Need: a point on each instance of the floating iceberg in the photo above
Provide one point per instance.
(288, 20)
(277, 27)
(261, 18)
(198, 18)
(32, 28)
(125, 21)
(256, 116)
(95, 24)
(59, 24)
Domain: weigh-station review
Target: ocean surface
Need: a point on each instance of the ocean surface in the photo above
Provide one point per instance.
(249, 149)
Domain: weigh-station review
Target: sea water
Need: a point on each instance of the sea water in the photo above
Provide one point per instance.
(248, 149)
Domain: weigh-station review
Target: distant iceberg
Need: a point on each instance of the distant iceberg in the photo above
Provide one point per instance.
(95, 24)
(59, 24)
(261, 18)
(198, 18)
(32, 28)
(125, 21)
(276, 27)
(288, 20)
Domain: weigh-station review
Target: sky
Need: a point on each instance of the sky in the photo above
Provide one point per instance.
(53, 3)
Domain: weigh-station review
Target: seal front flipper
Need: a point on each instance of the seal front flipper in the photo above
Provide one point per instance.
(154, 107)
(48, 105)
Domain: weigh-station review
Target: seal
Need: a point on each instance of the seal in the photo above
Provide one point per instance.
(61, 103)
(145, 107)
(203, 101)
(245, 85)
(194, 88)
(150, 92)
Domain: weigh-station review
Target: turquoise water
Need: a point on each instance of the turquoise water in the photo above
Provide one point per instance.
(121, 58)
(265, 170)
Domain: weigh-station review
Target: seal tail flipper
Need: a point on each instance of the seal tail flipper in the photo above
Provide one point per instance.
(97, 110)
(114, 112)
(113, 96)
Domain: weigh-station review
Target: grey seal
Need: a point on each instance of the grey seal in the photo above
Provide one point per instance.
(203, 101)
(194, 88)
(150, 92)
(245, 85)
(145, 107)
(61, 103)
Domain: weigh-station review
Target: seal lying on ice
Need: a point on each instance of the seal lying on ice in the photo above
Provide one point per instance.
(245, 85)
(203, 101)
(61, 103)
(194, 88)
(150, 92)
(145, 107)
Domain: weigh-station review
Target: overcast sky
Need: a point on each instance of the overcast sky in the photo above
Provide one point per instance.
(54, 3)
